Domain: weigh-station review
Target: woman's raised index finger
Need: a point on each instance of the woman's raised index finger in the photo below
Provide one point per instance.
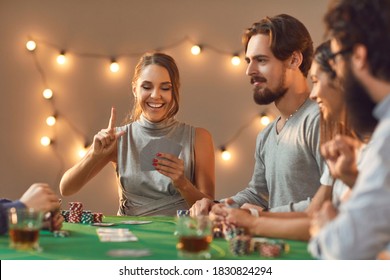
(111, 123)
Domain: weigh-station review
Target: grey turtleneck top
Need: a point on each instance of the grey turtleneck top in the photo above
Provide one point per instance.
(149, 193)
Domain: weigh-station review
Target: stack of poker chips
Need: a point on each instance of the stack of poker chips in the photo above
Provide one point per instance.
(86, 217)
(217, 230)
(230, 231)
(182, 213)
(61, 233)
(65, 214)
(240, 245)
(97, 217)
(270, 248)
(76, 214)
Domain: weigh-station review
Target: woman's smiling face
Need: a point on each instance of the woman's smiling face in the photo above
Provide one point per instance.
(153, 92)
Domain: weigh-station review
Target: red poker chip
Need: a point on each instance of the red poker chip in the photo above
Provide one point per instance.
(270, 250)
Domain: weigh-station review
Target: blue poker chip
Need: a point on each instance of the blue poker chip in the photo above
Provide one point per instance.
(61, 233)
(183, 213)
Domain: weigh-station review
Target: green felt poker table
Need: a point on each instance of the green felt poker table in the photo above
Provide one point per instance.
(157, 237)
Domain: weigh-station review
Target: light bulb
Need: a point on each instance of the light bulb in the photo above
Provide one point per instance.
(31, 45)
(225, 154)
(61, 58)
(47, 93)
(236, 60)
(265, 120)
(195, 50)
(114, 66)
(82, 152)
(51, 120)
(45, 141)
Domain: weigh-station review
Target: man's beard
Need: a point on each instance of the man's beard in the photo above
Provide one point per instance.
(267, 96)
(359, 105)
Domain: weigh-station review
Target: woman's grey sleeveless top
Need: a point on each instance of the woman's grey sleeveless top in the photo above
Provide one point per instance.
(146, 192)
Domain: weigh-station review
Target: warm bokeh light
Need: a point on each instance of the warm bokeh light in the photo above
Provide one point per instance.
(265, 120)
(47, 93)
(236, 60)
(31, 45)
(50, 121)
(64, 58)
(114, 66)
(82, 152)
(45, 141)
(196, 49)
(226, 155)
(61, 58)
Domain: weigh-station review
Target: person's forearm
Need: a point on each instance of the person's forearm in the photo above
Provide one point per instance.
(191, 194)
(77, 176)
(283, 215)
(294, 228)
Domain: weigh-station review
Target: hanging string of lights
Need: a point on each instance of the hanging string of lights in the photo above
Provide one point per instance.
(196, 49)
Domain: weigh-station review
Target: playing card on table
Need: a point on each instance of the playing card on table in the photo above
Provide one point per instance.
(103, 224)
(131, 222)
(149, 152)
(115, 235)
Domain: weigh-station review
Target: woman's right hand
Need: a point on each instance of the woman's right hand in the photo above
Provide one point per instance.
(104, 142)
(340, 155)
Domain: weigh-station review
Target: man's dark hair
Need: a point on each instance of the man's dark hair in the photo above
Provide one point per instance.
(287, 35)
(365, 22)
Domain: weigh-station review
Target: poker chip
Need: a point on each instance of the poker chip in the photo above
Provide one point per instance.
(65, 215)
(61, 233)
(182, 213)
(271, 248)
(86, 217)
(217, 230)
(75, 212)
(97, 217)
(240, 245)
(230, 231)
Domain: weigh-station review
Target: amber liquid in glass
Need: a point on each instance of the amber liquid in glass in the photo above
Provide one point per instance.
(24, 238)
(194, 244)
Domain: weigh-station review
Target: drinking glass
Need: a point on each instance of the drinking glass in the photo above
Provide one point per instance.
(194, 237)
(24, 225)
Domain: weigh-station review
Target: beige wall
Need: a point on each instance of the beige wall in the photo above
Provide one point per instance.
(215, 95)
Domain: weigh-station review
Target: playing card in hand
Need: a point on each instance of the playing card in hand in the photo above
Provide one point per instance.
(162, 145)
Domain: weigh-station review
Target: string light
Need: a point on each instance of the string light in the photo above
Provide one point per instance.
(264, 119)
(196, 49)
(83, 151)
(61, 58)
(47, 94)
(114, 66)
(31, 45)
(45, 141)
(236, 60)
(51, 120)
(225, 154)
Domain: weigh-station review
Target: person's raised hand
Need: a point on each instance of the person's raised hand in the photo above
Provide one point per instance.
(104, 142)
(340, 156)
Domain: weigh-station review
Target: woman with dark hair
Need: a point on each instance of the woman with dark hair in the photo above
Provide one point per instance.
(162, 165)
